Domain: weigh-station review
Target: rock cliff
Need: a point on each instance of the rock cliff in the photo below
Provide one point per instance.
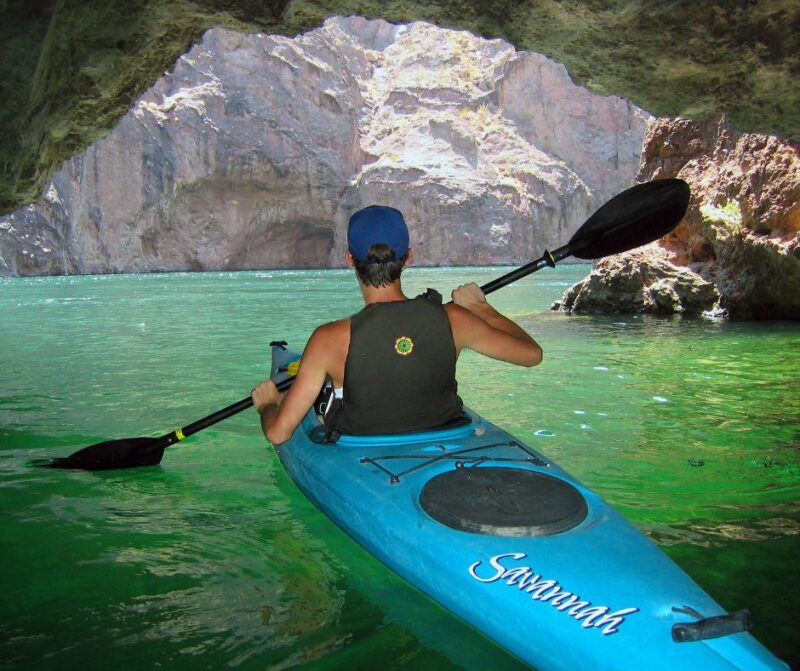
(736, 253)
(71, 68)
(254, 150)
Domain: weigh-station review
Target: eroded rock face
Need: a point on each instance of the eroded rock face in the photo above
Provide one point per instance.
(254, 151)
(741, 232)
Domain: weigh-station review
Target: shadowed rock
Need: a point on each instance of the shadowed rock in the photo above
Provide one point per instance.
(741, 233)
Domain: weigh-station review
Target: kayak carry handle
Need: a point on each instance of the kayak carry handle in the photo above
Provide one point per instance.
(710, 627)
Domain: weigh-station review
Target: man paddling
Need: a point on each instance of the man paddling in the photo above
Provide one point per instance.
(393, 364)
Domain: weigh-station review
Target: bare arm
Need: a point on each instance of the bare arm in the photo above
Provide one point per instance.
(479, 327)
(282, 413)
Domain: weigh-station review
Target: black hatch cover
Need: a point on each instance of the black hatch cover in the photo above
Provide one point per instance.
(496, 501)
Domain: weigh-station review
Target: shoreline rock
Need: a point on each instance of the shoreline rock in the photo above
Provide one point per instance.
(641, 281)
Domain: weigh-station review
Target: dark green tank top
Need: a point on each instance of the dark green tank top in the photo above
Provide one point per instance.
(400, 373)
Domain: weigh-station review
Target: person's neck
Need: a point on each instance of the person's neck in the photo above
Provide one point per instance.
(387, 294)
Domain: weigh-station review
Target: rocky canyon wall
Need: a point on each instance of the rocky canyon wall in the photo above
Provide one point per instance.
(254, 150)
(71, 68)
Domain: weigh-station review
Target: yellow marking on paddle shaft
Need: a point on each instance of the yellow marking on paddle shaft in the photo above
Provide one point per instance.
(293, 367)
(179, 434)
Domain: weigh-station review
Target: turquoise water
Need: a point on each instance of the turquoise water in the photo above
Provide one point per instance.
(689, 426)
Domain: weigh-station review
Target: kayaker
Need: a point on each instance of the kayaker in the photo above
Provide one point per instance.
(393, 364)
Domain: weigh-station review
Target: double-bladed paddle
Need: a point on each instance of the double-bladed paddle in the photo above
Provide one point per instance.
(633, 218)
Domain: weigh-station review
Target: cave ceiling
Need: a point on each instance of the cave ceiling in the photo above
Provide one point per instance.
(71, 68)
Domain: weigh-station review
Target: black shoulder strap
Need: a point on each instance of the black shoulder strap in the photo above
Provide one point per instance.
(327, 407)
(433, 296)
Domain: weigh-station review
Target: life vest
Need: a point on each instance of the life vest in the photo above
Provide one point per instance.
(400, 372)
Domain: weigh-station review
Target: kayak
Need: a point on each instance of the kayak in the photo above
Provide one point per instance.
(505, 539)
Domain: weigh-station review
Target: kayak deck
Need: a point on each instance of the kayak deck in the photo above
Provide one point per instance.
(513, 544)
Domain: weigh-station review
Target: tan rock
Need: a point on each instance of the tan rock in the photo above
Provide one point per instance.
(254, 150)
(642, 281)
(742, 230)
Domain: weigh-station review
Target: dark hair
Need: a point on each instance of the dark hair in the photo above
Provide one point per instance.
(381, 267)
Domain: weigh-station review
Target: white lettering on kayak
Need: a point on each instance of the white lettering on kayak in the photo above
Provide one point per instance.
(546, 590)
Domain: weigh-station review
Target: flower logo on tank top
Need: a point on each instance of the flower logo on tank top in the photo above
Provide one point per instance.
(403, 345)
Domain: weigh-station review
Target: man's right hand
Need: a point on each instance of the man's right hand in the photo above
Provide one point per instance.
(469, 296)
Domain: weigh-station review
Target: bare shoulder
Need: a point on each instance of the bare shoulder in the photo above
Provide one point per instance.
(463, 323)
(332, 333)
(456, 313)
(328, 347)
(461, 318)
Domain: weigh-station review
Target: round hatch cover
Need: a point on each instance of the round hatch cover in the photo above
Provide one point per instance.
(497, 501)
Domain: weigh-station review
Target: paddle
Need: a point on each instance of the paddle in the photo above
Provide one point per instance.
(638, 215)
(134, 452)
(633, 218)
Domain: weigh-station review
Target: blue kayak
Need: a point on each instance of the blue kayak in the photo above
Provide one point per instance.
(511, 543)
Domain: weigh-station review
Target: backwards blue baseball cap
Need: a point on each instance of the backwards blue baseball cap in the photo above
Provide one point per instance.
(374, 224)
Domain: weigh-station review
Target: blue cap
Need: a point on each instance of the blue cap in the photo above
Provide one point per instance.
(374, 224)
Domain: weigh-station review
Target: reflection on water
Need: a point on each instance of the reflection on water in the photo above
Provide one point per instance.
(688, 426)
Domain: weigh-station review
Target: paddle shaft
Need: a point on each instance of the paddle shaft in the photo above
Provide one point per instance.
(215, 417)
(547, 259)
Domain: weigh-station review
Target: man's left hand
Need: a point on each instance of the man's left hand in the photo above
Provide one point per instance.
(265, 395)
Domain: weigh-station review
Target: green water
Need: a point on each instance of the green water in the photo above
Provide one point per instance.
(689, 426)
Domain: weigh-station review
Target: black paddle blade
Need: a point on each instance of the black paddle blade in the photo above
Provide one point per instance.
(125, 453)
(638, 215)
(135, 452)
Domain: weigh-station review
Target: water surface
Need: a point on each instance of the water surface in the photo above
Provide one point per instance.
(214, 559)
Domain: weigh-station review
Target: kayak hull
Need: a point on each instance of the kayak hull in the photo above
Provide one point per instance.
(598, 594)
